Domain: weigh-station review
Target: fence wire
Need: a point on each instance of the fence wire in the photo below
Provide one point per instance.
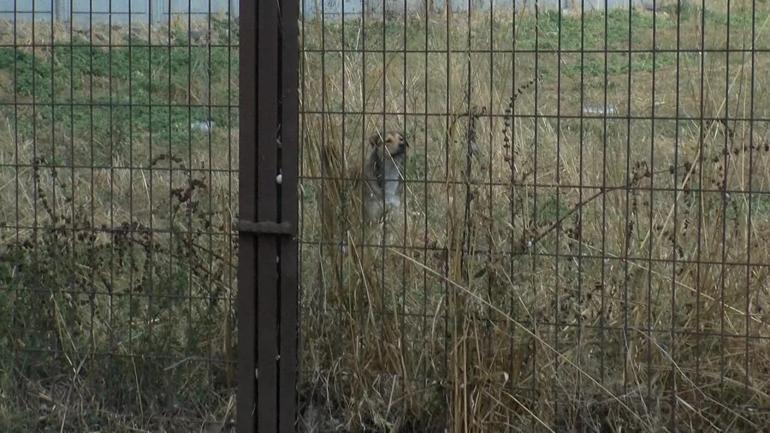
(573, 238)
(118, 184)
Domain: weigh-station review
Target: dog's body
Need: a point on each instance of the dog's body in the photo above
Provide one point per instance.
(383, 175)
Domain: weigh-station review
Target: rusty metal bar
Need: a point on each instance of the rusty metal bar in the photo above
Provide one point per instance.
(247, 327)
(289, 265)
(266, 228)
(268, 266)
(267, 210)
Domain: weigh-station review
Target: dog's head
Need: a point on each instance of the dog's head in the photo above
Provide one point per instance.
(392, 144)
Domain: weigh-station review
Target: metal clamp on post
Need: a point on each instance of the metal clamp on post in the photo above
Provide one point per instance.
(266, 228)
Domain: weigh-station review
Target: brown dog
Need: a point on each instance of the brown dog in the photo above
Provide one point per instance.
(383, 174)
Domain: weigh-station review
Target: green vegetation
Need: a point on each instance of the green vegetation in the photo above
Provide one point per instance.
(106, 96)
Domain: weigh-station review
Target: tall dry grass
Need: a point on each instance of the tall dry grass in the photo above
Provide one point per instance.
(550, 271)
(117, 251)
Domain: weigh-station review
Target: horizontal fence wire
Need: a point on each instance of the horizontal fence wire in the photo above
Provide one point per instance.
(119, 186)
(570, 237)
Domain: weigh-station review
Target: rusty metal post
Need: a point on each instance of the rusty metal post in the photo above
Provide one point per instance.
(267, 270)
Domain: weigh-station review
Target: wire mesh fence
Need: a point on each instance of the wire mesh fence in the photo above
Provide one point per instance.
(514, 216)
(521, 217)
(118, 184)
(84, 12)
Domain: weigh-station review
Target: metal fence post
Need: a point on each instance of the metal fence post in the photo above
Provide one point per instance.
(267, 278)
(247, 192)
(288, 187)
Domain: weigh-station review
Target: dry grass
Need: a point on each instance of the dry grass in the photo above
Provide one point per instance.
(569, 275)
(117, 255)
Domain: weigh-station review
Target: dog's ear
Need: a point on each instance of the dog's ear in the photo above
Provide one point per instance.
(375, 139)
